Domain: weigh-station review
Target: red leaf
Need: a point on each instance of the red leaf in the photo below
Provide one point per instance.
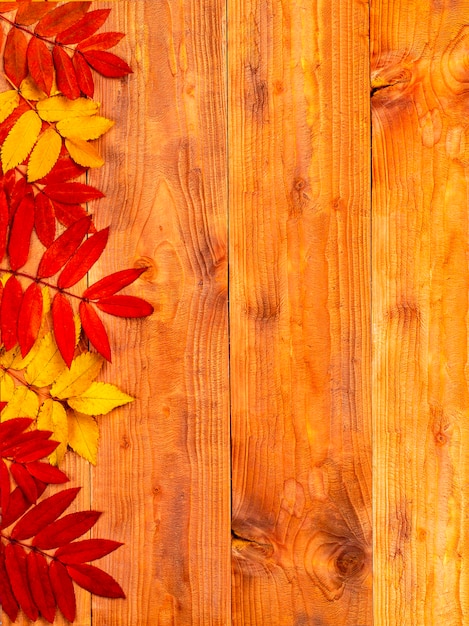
(47, 473)
(25, 481)
(66, 77)
(17, 505)
(34, 451)
(15, 560)
(83, 259)
(40, 64)
(15, 445)
(41, 589)
(30, 317)
(62, 17)
(65, 169)
(95, 580)
(84, 75)
(42, 515)
(9, 180)
(4, 219)
(63, 590)
(30, 12)
(68, 214)
(64, 327)
(87, 550)
(7, 599)
(12, 428)
(4, 486)
(7, 6)
(44, 219)
(125, 306)
(20, 233)
(55, 257)
(66, 529)
(103, 41)
(94, 329)
(18, 192)
(14, 56)
(9, 310)
(84, 28)
(109, 285)
(107, 64)
(72, 193)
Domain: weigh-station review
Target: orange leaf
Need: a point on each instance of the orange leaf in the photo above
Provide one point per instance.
(14, 56)
(61, 18)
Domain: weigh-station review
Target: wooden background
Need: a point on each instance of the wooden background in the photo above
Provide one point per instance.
(296, 174)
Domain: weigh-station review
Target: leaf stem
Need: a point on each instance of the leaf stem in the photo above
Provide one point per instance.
(28, 32)
(41, 281)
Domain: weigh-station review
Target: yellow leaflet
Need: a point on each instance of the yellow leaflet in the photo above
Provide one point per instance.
(59, 108)
(7, 387)
(83, 435)
(23, 403)
(30, 90)
(77, 379)
(44, 155)
(46, 365)
(20, 140)
(52, 416)
(9, 100)
(98, 399)
(85, 128)
(83, 153)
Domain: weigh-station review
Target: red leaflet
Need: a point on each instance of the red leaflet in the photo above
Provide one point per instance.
(68, 214)
(65, 72)
(83, 259)
(12, 428)
(41, 589)
(20, 233)
(55, 257)
(103, 41)
(16, 507)
(109, 285)
(18, 192)
(33, 451)
(66, 529)
(43, 514)
(94, 329)
(40, 64)
(44, 219)
(84, 75)
(4, 218)
(4, 486)
(30, 318)
(64, 327)
(72, 193)
(30, 12)
(107, 64)
(125, 306)
(84, 28)
(65, 169)
(95, 580)
(7, 599)
(62, 17)
(15, 560)
(16, 445)
(25, 482)
(87, 550)
(47, 473)
(63, 590)
(9, 180)
(14, 56)
(9, 310)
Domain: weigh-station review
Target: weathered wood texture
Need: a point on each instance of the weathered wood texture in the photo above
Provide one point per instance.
(300, 311)
(420, 308)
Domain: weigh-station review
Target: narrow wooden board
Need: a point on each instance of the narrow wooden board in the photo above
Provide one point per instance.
(420, 312)
(300, 311)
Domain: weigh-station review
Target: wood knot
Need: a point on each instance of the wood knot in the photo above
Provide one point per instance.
(458, 57)
(394, 79)
(350, 562)
(149, 263)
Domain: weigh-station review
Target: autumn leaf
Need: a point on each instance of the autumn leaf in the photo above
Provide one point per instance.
(83, 435)
(65, 72)
(84, 153)
(14, 56)
(44, 155)
(20, 140)
(59, 108)
(23, 403)
(74, 381)
(85, 128)
(107, 64)
(61, 18)
(84, 75)
(40, 65)
(84, 28)
(103, 41)
(9, 100)
(99, 399)
(31, 91)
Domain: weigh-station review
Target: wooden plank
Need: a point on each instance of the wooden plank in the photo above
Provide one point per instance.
(420, 307)
(300, 311)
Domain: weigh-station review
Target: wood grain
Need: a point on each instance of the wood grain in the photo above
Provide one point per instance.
(420, 307)
(300, 312)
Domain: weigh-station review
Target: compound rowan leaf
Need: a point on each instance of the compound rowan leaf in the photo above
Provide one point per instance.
(40, 64)
(94, 329)
(109, 285)
(84, 75)
(107, 63)
(64, 326)
(44, 155)
(15, 561)
(9, 100)
(53, 417)
(86, 550)
(15, 56)
(20, 232)
(39, 581)
(55, 257)
(83, 435)
(30, 12)
(85, 128)
(95, 580)
(63, 590)
(72, 193)
(125, 306)
(9, 311)
(83, 259)
(84, 28)
(84, 153)
(44, 219)
(30, 318)
(103, 41)
(74, 381)
(61, 18)
(59, 108)
(20, 140)
(99, 399)
(65, 72)
(65, 529)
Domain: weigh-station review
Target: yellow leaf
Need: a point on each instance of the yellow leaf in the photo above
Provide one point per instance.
(23, 403)
(20, 140)
(52, 416)
(46, 365)
(98, 399)
(31, 91)
(77, 379)
(44, 155)
(9, 100)
(85, 128)
(60, 108)
(7, 387)
(84, 153)
(83, 435)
